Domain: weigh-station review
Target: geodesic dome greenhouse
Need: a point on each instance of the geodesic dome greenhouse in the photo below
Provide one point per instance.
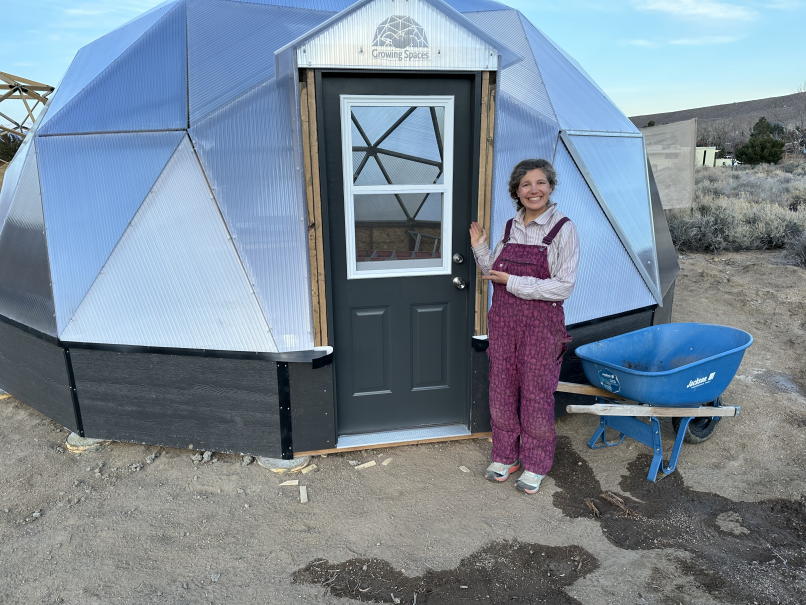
(238, 217)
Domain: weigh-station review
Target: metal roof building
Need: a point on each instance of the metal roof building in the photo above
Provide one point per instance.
(223, 197)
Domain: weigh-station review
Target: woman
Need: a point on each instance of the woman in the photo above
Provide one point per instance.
(533, 269)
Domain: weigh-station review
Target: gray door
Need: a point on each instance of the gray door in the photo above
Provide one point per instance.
(398, 159)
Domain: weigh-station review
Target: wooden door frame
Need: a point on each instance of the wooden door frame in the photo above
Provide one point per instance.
(318, 236)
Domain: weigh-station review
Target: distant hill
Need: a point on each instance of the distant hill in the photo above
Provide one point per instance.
(787, 110)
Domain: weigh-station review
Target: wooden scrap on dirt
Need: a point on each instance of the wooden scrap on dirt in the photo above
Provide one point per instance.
(589, 503)
(290, 482)
(366, 464)
(618, 503)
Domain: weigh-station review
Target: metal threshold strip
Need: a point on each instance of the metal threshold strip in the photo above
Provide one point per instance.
(402, 436)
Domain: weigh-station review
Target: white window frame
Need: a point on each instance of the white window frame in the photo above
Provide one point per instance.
(350, 190)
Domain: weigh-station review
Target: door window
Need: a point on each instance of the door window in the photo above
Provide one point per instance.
(398, 171)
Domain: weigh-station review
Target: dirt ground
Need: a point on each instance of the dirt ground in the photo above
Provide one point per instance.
(119, 525)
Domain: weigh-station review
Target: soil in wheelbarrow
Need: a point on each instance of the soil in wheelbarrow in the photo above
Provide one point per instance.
(738, 552)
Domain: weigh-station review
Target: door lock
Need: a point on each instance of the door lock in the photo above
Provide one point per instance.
(459, 283)
(458, 259)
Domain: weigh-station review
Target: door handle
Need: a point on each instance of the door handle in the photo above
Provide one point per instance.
(459, 283)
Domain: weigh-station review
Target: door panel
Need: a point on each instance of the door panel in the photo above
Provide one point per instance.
(371, 350)
(430, 346)
(397, 212)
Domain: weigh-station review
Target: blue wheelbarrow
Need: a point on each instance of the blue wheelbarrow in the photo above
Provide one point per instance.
(673, 370)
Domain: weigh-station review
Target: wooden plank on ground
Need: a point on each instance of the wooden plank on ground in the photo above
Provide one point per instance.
(383, 445)
(616, 409)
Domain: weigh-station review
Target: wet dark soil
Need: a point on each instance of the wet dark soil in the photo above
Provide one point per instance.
(502, 572)
(739, 552)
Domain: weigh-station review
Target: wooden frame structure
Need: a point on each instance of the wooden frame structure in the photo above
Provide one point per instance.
(313, 195)
(21, 89)
(487, 140)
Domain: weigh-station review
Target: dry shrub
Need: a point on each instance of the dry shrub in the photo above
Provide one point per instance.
(763, 184)
(796, 249)
(719, 223)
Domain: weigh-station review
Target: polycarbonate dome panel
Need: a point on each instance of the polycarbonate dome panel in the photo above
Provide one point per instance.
(578, 103)
(220, 69)
(145, 88)
(12, 176)
(604, 265)
(94, 58)
(92, 185)
(522, 81)
(25, 292)
(467, 6)
(247, 152)
(174, 279)
(520, 133)
(618, 167)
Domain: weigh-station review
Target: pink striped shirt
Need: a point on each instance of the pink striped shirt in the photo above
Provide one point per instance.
(563, 256)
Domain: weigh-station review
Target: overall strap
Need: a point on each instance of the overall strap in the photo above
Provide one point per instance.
(507, 231)
(555, 230)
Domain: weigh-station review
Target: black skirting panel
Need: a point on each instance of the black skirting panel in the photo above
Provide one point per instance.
(34, 371)
(479, 387)
(219, 404)
(313, 410)
(663, 315)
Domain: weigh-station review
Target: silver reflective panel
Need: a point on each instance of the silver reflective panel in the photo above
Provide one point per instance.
(522, 81)
(220, 69)
(578, 103)
(174, 279)
(12, 176)
(618, 168)
(401, 36)
(247, 152)
(145, 88)
(607, 282)
(25, 292)
(94, 58)
(92, 185)
(467, 6)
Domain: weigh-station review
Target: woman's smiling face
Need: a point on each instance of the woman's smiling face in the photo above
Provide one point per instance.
(534, 191)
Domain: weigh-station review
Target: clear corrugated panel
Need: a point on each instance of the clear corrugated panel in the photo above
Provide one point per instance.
(174, 279)
(12, 176)
(512, 120)
(247, 151)
(25, 292)
(403, 36)
(145, 88)
(221, 69)
(333, 6)
(670, 149)
(506, 24)
(618, 167)
(94, 58)
(92, 185)
(578, 103)
(468, 6)
(604, 265)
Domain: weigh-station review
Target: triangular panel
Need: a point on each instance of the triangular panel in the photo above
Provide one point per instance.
(604, 264)
(25, 292)
(92, 185)
(11, 176)
(174, 279)
(617, 166)
(247, 152)
(145, 88)
(520, 133)
(220, 70)
(94, 58)
(506, 24)
(578, 103)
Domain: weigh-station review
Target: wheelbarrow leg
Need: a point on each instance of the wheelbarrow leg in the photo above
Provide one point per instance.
(600, 434)
(657, 458)
(678, 445)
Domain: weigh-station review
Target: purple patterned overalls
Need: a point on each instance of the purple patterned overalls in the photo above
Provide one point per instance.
(527, 342)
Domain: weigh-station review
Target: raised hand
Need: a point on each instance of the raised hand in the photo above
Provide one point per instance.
(478, 235)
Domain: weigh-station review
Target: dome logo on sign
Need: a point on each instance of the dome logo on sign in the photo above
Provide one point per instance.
(394, 38)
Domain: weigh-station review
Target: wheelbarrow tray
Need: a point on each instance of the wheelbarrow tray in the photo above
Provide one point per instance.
(679, 365)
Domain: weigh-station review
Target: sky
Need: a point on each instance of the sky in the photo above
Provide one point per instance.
(649, 56)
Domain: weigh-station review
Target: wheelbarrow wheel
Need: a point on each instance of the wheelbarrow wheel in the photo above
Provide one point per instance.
(699, 429)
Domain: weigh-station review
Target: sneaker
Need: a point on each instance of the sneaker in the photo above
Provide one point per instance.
(498, 471)
(529, 482)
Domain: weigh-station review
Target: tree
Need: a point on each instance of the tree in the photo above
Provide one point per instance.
(8, 146)
(650, 123)
(761, 129)
(760, 149)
